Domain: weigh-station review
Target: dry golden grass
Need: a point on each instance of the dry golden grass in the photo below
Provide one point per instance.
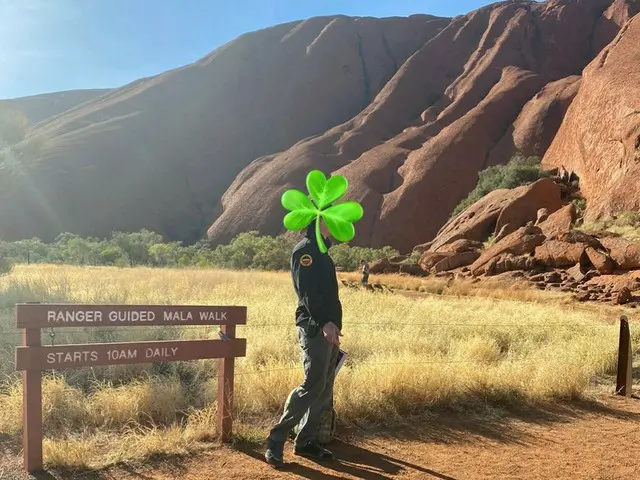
(467, 347)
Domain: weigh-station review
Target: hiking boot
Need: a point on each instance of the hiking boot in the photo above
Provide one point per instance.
(274, 453)
(314, 451)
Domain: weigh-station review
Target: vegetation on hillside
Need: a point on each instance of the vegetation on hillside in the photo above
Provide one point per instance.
(145, 248)
(17, 152)
(405, 359)
(519, 171)
(13, 127)
(624, 224)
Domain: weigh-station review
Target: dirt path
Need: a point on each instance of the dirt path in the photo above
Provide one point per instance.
(583, 442)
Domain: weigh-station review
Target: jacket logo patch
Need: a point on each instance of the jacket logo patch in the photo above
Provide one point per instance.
(306, 260)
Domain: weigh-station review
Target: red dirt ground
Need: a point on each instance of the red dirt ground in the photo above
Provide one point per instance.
(600, 441)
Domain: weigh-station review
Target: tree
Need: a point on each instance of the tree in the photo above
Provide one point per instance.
(135, 246)
(31, 250)
(165, 254)
(110, 255)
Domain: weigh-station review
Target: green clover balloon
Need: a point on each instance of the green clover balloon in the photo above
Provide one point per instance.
(338, 218)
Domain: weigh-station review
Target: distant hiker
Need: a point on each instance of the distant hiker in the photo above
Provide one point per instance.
(365, 272)
(319, 321)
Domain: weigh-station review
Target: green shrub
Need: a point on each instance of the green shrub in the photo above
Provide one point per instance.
(490, 242)
(246, 251)
(348, 258)
(519, 171)
(581, 207)
(414, 257)
(249, 250)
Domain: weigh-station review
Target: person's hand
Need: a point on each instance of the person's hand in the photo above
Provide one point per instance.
(331, 333)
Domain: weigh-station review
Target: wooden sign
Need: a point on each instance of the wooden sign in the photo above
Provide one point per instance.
(37, 315)
(99, 354)
(32, 358)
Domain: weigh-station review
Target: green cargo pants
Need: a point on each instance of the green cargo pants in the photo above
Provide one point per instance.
(305, 403)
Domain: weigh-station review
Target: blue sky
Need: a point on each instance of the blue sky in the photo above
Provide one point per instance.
(52, 45)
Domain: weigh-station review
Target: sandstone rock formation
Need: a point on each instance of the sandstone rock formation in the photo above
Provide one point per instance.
(500, 212)
(559, 222)
(600, 136)
(554, 253)
(414, 153)
(534, 129)
(387, 266)
(409, 109)
(625, 253)
(522, 241)
(602, 262)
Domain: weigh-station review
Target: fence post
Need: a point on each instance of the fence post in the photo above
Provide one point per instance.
(225, 389)
(624, 381)
(32, 407)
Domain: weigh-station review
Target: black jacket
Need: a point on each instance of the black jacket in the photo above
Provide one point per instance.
(316, 283)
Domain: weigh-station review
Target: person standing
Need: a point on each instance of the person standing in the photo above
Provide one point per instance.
(365, 272)
(319, 325)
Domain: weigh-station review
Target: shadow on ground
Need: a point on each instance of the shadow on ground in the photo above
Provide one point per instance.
(353, 460)
(507, 425)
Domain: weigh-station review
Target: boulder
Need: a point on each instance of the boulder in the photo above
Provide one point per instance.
(522, 241)
(575, 236)
(577, 272)
(412, 269)
(398, 259)
(624, 252)
(501, 211)
(508, 263)
(422, 247)
(456, 260)
(556, 254)
(553, 277)
(430, 259)
(559, 222)
(601, 261)
(460, 246)
(613, 283)
(381, 266)
(624, 296)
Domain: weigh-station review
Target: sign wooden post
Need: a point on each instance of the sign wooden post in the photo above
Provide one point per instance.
(624, 380)
(32, 407)
(32, 357)
(225, 388)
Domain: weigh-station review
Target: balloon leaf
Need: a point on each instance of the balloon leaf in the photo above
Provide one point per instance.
(298, 219)
(324, 192)
(296, 200)
(340, 219)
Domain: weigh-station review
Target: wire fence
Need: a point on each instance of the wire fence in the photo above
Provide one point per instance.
(56, 335)
(156, 328)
